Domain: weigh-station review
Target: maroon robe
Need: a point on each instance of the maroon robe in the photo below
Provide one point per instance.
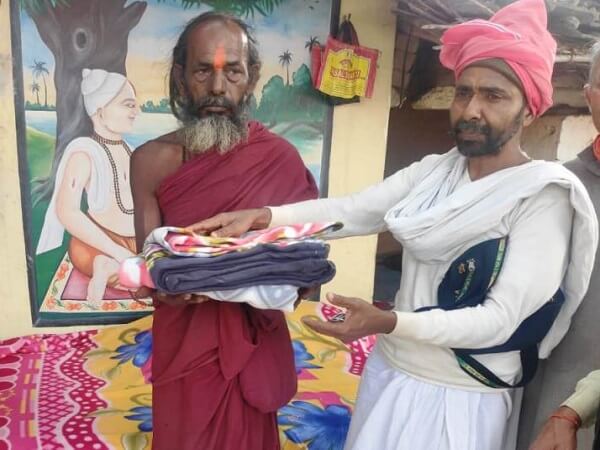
(221, 370)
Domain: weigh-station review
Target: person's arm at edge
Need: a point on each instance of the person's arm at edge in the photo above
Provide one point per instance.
(579, 410)
(361, 213)
(585, 401)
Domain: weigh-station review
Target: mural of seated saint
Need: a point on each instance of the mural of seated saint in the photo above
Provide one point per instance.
(79, 85)
(96, 168)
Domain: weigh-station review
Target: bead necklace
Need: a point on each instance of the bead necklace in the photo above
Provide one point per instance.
(103, 142)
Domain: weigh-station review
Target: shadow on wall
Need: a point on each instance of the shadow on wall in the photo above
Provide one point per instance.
(412, 134)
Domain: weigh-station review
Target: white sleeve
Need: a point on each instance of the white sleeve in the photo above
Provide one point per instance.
(535, 263)
(586, 399)
(361, 213)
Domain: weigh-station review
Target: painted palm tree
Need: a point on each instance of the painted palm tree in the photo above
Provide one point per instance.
(285, 59)
(35, 89)
(312, 42)
(39, 70)
(99, 31)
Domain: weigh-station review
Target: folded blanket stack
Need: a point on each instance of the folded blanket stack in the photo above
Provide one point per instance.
(264, 268)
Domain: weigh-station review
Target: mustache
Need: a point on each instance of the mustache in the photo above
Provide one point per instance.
(470, 126)
(213, 101)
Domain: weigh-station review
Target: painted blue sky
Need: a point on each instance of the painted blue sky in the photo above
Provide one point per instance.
(288, 28)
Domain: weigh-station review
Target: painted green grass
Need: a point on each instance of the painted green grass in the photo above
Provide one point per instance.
(40, 151)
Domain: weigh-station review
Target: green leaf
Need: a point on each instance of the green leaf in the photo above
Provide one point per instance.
(97, 352)
(326, 355)
(243, 8)
(295, 326)
(105, 412)
(134, 441)
(114, 372)
(128, 335)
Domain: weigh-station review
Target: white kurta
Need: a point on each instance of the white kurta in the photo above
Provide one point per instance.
(437, 213)
(399, 412)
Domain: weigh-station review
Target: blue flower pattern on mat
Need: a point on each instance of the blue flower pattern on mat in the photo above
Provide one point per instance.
(318, 428)
(139, 352)
(143, 414)
(302, 357)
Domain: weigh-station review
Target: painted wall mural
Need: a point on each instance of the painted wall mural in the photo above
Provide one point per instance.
(88, 65)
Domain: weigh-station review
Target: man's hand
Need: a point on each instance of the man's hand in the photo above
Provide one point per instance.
(558, 434)
(233, 223)
(362, 319)
(173, 300)
(304, 293)
(181, 299)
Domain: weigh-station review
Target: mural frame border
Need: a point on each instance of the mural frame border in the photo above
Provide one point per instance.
(100, 319)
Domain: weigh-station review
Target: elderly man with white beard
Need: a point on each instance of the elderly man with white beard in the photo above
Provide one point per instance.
(220, 370)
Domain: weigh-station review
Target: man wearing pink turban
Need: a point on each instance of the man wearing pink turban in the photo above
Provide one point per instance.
(498, 253)
(516, 35)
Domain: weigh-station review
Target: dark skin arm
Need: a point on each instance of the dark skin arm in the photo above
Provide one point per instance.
(150, 165)
(361, 319)
(558, 434)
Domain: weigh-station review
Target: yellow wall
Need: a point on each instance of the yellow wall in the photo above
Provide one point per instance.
(359, 145)
(357, 160)
(15, 317)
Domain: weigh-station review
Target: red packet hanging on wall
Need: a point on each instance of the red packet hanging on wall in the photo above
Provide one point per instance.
(347, 70)
(344, 70)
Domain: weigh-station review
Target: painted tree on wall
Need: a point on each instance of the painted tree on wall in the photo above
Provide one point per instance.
(35, 88)
(94, 33)
(285, 59)
(39, 69)
(313, 41)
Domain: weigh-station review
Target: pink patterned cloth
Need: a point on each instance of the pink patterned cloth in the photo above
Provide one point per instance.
(174, 241)
(181, 242)
(360, 349)
(518, 35)
(91, 390)
(46, 395)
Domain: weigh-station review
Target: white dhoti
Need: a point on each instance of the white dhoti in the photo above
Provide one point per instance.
(395, 411)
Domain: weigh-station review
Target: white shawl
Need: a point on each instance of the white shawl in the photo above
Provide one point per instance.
(98, 191)
(436, 224)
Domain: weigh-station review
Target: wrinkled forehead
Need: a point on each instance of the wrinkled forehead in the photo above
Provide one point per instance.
(476, 76)
(217, 42)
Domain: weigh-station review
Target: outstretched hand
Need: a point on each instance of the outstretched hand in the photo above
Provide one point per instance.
(232, 224)
(361, 319)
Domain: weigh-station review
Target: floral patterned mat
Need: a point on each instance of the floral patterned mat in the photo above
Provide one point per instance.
(68, 290)
(89, 390)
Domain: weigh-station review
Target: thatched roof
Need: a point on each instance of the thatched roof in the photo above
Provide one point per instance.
(574, 23)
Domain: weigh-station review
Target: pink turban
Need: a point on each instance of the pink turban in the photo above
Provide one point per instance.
(516, 34)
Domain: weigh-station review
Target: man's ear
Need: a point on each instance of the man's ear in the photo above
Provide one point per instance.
(586, 94)
(178, 78)
(528, 117)
(253, 76)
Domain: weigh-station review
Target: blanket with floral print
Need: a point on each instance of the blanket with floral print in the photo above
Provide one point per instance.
(90, 390)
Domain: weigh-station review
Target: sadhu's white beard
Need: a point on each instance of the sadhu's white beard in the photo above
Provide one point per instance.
(213, 132)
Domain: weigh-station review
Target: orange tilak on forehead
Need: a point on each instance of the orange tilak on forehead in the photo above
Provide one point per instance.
(219, 58)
